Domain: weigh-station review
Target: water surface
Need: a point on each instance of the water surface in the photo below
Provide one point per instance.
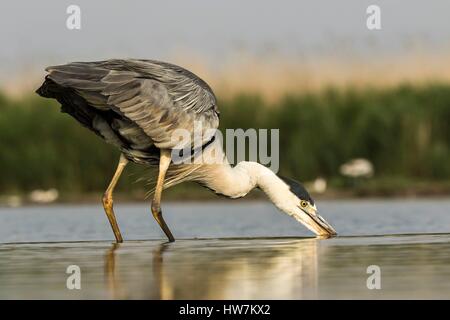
(227, 251)
(220, 220)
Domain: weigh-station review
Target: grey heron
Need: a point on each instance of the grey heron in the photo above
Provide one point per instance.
(136, 105)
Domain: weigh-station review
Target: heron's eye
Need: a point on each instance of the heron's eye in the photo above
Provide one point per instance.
(303, 203)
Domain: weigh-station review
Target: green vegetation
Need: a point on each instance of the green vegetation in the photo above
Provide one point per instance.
(403, 131)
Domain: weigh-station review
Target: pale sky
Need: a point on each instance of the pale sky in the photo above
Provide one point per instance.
(34, 33)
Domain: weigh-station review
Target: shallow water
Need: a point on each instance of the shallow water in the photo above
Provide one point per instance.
(276, 261)
(220, 220)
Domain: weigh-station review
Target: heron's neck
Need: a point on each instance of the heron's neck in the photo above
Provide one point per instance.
(237, 181)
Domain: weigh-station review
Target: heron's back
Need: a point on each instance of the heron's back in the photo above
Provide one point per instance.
(135, 105)
(114, 129)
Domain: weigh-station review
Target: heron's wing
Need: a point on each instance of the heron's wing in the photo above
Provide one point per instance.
(158, 97)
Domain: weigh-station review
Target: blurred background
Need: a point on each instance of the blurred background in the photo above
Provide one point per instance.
(361, 113)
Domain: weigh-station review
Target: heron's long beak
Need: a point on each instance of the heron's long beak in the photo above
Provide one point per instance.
(313, 221)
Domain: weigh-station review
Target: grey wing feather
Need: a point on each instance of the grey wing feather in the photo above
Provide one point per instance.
(158, 97)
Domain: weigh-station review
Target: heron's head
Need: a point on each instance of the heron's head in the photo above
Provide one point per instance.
(302, 208)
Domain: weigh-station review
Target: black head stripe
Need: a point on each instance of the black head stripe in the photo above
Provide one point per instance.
(298, 189)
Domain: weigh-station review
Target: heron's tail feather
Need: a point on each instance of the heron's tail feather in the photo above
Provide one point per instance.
(48, 89)
(71, 103)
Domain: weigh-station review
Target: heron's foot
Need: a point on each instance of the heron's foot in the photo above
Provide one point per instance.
(157, 214)
(108, 206)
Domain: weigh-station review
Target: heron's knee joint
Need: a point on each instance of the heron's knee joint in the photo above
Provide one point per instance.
(107, 200)
(156, 209)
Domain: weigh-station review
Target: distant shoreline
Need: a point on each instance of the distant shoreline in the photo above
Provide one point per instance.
(176, 197)
(402, 131)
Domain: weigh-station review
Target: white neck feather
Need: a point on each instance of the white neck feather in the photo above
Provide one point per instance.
(234, 182)
(238, 181)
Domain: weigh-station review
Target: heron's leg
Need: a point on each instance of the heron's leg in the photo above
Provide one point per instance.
(164, 162)
(108, 200)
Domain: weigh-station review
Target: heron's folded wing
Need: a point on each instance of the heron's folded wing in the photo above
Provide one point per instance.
(160, 99)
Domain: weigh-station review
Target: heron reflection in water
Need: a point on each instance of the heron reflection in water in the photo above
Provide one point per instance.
(275, 269)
